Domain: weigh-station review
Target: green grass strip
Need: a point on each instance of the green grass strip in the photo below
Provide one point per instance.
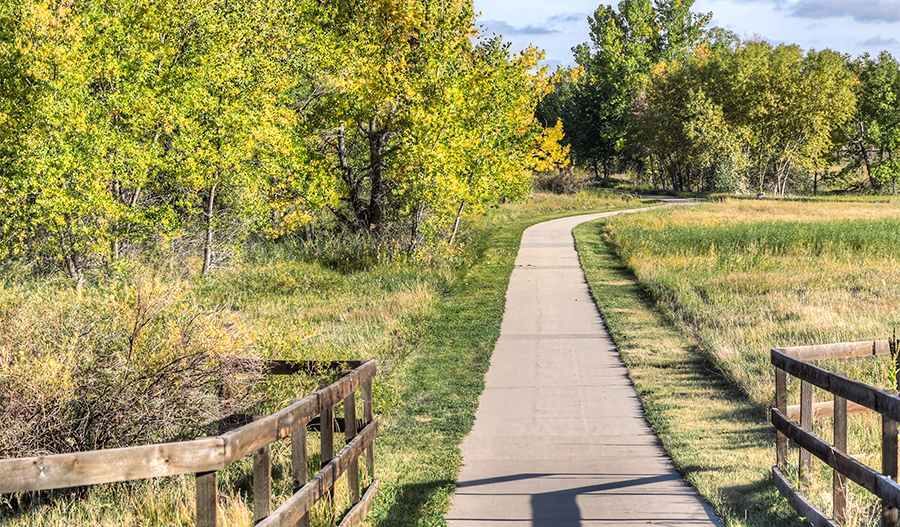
(722, 444)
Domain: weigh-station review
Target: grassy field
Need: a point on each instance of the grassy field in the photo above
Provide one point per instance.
(431, 327)
(736, 278)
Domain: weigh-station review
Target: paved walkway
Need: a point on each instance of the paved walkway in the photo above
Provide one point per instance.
(559, 436)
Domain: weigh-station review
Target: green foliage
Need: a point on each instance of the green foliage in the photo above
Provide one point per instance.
(751, 116)
(625, 45)
(874, 137)
(127, 125)
(412, 123)
(140, 117)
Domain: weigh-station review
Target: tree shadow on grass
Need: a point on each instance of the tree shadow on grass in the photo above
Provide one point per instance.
(414, 502)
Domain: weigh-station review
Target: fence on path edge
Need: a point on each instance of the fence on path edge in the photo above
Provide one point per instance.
(206, 456)
(848, 397)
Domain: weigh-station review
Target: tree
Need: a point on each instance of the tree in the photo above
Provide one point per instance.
(875, 130)
(684, 131)
(414, 123)
(550, 153)
(139, 115)
(625, 45)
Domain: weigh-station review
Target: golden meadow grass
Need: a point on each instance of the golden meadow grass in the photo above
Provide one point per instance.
(743, 276)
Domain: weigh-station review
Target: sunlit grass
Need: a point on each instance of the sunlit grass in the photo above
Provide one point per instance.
(743, 276)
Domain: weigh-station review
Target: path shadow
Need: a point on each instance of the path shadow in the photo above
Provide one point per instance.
(560, 508)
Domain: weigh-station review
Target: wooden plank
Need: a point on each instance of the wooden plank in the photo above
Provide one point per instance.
(883, 487)
(888, 467)
(326, 435)
(242, 441)
(302, 501)
(299, 466)
(368, 417)
(806, 420)
(825, 409)
(111, 465)
(843, 350)
(804, 508)
(358, 513)
(781, 404)
(839, 482)
(262, 483)
(326, 441)
(251, 437)
(207, 491)
(350, 433)
(882, 402)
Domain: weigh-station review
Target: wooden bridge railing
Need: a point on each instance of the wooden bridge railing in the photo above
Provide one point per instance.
(848, 397)
(205, 457)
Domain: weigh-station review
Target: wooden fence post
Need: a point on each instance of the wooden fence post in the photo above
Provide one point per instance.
(207, 499)
(806, 401)
(839, 488)
(262, 481)
(888, 466)
(350, 433)
(368, 417)
(326, 436)
(781, 441)
(299, 464)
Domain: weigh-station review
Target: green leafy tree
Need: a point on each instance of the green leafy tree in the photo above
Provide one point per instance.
(141, 119)
(625, 45)
(875, 131)
(684, 131)
(414, 123)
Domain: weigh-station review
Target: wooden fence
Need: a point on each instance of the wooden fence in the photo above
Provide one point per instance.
(205, 457)
(848, 397)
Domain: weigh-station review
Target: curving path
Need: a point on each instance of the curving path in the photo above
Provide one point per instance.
(559, 437)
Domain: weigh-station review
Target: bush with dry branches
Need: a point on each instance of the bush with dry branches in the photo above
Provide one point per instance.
(133, 365)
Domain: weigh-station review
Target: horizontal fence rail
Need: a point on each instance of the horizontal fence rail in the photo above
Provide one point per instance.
(849, 397)
(205, 457)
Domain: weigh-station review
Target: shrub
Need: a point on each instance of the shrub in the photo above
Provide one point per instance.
(136, 364)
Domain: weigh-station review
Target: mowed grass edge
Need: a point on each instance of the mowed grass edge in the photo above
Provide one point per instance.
(417, 453)
(721, 443)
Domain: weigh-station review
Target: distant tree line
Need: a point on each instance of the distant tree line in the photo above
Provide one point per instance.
(693, 108)
(128, 123)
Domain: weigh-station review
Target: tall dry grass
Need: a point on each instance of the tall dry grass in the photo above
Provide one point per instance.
(745, 275)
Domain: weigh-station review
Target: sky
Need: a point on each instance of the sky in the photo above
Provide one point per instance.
(847, 26)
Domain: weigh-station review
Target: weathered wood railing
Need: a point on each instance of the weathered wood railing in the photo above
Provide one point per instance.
(848, 397)
(205, 457)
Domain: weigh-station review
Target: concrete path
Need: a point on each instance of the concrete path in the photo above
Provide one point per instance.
(559, 436)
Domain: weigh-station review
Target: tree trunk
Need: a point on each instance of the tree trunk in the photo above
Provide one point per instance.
(376, 174)
(75, 271)
(456, 222)
(207, 246)
(864, 154)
